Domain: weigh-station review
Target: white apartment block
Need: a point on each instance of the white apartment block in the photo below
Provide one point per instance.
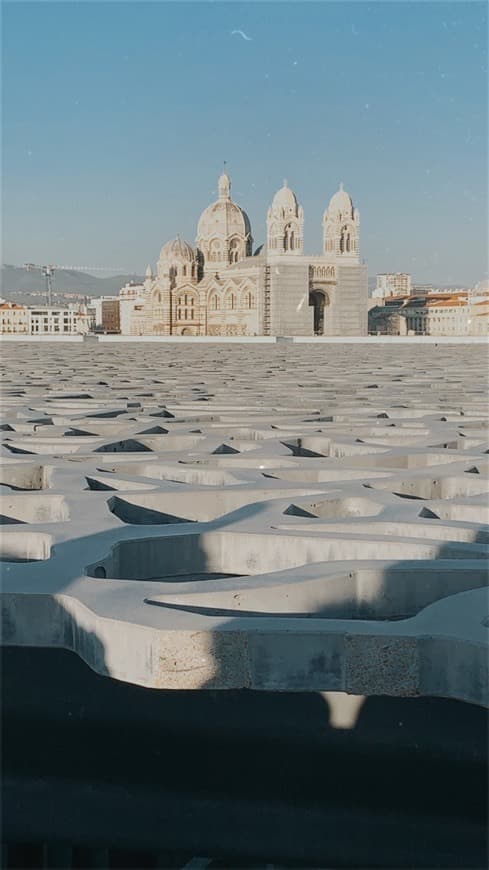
(58, 321)
(14, 319)
(131, 306)
(392, 284)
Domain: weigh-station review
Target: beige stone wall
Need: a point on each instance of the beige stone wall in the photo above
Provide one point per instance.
(290, 313)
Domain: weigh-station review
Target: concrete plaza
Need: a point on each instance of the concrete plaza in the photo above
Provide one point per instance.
(289, 517)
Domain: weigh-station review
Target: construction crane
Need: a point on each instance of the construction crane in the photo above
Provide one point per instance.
(49, 270)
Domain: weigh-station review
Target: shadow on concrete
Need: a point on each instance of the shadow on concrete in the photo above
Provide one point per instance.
(106, 773)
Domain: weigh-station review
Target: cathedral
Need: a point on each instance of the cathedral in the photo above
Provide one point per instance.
(221, 286)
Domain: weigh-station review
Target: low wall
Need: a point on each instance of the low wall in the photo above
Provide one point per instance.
(192, 339)
(392, 339)
(56, 339)
(247, 339)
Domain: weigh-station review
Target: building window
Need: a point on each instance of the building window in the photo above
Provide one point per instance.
(234, 251)
(289, 242)
(186, 307)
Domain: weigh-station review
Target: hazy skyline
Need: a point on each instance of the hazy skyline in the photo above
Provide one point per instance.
(117, 117)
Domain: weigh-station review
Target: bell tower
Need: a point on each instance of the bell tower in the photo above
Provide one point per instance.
(341, 227)
(285, 223)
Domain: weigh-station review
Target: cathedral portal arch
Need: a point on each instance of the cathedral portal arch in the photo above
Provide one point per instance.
(319, 300)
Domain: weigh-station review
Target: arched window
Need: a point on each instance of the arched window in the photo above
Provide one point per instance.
(289, 238)
(249, 300)
(231, 301)
(345, 240)
(184, 270)
(234, 251)
(214, 303)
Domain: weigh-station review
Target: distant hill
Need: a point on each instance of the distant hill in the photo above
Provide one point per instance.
(18, 280)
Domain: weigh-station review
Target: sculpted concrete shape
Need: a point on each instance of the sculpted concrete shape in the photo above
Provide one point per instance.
(284, 517)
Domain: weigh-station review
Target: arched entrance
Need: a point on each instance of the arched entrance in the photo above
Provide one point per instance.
(319, 299)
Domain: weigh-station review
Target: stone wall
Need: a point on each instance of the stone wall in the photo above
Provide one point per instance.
(349, 316)
(289, 297)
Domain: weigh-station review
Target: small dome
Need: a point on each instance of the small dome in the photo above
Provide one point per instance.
(286, 199)
(341, 202)
(177, 249)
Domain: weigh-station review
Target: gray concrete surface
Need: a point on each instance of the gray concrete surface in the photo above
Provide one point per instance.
(274, 516)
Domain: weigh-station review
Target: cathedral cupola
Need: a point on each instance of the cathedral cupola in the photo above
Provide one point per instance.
(178, 262)
(341, 227)
(224, 230)
(285, 223)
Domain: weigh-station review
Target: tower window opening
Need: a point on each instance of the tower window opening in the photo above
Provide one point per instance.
(289, 238)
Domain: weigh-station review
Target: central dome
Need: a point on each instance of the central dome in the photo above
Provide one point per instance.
(223, 218)
(224, 229)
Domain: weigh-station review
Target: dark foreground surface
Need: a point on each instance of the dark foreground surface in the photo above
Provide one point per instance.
(104, 774)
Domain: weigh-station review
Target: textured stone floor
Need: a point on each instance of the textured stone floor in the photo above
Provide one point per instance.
(272, 516)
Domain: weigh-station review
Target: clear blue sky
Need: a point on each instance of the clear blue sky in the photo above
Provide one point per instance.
(117, 117)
